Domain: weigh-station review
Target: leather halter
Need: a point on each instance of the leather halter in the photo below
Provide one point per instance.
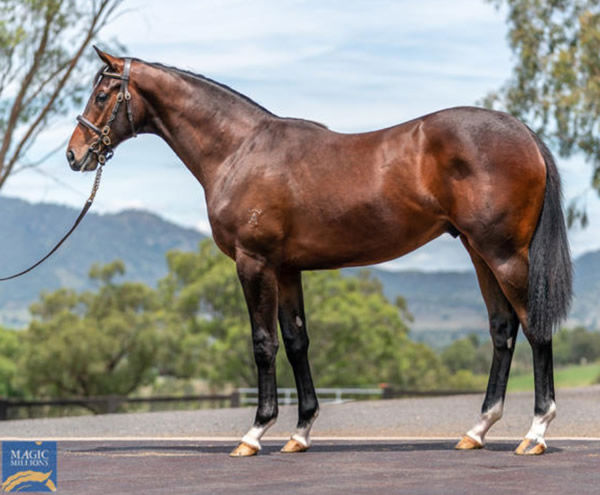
(102, 147)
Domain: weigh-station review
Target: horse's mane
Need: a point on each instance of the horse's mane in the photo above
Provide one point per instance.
(200, 77)
(207, 80)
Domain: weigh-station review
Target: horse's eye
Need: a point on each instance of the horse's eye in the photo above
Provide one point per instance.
(101, 97)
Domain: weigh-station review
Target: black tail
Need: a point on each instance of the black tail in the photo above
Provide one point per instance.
(550, 270)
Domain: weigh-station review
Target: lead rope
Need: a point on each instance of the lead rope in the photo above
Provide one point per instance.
(85, 209)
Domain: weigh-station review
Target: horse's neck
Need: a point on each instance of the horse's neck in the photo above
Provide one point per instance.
(202, 122)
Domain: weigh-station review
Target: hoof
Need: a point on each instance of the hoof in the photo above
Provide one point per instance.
(293, 446)
(468, 443)
(530, 447)
(243, 450)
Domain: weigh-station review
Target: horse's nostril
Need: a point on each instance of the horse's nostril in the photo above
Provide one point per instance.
(70, 156)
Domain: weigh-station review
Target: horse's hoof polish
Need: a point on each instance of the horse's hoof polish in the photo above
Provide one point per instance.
(530, 447)
(293, 446)
(243, 450)
(468, 443)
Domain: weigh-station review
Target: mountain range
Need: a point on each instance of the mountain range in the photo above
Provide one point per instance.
(445, 305)
(28, 231)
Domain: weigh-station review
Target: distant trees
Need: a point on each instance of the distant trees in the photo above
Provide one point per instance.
(554, 86)
(194, 326)
(467, 354)
(570, 346)
(357, 336)
(576, 346)
(10, 350)
(92, 343)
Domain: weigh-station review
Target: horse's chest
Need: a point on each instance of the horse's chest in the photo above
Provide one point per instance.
(222, 223)
(251, 225)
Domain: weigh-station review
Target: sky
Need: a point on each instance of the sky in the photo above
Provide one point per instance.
(352, 65)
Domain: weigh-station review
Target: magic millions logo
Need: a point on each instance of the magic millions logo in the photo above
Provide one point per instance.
(29, 467)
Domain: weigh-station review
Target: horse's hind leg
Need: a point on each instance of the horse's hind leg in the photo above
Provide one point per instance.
(259, 282)
(293, 329)
(504, 325)
(512, 274)
(545, 407)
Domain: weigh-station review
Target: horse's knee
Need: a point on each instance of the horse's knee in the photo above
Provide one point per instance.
(265, 347)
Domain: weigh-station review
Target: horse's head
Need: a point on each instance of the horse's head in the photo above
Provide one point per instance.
(109, 118)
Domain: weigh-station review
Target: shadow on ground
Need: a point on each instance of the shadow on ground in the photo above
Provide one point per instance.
(269, 449)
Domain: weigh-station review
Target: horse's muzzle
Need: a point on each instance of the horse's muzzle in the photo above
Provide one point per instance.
(87, 163)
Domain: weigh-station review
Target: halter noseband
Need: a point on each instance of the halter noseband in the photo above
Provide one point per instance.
(102, 146)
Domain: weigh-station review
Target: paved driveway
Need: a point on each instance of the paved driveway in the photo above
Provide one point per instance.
(395, 446)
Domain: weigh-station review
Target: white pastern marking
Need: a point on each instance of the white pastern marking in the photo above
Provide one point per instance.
(486, 420)
(540, 425)
(298, 321)
(509, 343)
(255, 434)
(302, 435)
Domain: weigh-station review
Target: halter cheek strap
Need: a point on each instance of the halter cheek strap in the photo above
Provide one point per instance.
(102, 147)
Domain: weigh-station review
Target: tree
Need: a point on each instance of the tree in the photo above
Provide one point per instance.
(467, 354)
(555, 86)
(42, 47)
(93, 343)
(195, 326)
(576, 346)
(357, 336)
(207, 328)
(9, 354)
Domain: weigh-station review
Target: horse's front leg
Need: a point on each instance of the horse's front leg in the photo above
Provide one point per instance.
(259, 282)
(293, 329)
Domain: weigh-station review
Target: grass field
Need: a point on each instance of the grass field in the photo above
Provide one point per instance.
(564, 377)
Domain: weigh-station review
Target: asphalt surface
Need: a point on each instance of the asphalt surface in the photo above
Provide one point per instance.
(423, 467)
(578, 415)
(393, 446)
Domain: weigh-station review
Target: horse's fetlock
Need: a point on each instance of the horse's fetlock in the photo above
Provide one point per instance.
(267, 414)
(308, 411)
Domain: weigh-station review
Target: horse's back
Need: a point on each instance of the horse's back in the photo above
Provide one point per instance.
(325, 199)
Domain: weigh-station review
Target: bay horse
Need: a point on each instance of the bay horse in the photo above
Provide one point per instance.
(286, 195)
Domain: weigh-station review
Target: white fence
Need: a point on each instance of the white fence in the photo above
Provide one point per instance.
(289, 396)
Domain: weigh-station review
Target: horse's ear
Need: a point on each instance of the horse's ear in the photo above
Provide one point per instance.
(114, 63)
